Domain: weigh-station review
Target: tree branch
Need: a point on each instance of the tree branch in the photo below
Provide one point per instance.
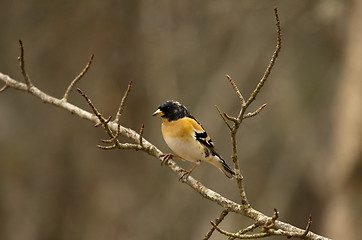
(269, 225)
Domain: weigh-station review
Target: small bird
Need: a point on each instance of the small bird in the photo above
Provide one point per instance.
(187, 138)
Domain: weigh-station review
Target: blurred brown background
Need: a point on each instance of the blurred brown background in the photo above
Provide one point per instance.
(301, 155)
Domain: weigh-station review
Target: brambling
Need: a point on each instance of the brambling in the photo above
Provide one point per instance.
(187, 138)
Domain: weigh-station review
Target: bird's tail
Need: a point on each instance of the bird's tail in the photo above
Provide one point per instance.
(221, 164)
(227, 170)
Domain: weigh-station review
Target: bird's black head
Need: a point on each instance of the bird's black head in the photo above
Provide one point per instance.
(172, 110)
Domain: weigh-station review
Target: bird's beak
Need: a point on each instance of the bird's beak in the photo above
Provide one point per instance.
(158, 113)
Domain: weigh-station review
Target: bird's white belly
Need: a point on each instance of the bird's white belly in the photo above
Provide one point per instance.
(186, 149)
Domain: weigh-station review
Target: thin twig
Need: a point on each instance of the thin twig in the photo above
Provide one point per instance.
(241, 98)
(217, 222)
(80, 75)
(271, 223)
(307, 229)
(276, 215)
(271, 63)
(240, 236)
(256, 112)
(223, 118)
(3, 88)
(235, 120)
(247, 229)
(123, 101)
(22, 66)
(100, 117)
(115, 136)
(110, 147)
(141, 135)
(95, 111)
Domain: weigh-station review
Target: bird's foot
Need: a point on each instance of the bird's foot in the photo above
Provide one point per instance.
(187, 173)
(169, 156)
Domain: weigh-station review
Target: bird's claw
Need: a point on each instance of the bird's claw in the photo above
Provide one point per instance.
(167, 157)
(185, 175)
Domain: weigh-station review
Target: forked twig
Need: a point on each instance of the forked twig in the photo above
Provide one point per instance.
(80, 75)
(244, 105)
(113, 137)
(22, 66)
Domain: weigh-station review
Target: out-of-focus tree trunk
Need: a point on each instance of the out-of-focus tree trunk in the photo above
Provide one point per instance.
(342, 220)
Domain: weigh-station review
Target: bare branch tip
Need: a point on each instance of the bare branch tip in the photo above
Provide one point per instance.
(307, 229)
(276, 214)
(123, 102)
(276, 12)
(271, 63)
(256, 112)
(241, 98)
(141, 135)
(223, 118)
(309, 224)
(229, 117)
(77, 78)
(22, 65)
(79, 90)
(141, 130)
(21, 43)
(106, 147)
(278, 28)
(84, 95)
(3, 88)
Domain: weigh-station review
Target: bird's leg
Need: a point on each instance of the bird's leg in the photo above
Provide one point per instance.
(169, 156)
(187, 173)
